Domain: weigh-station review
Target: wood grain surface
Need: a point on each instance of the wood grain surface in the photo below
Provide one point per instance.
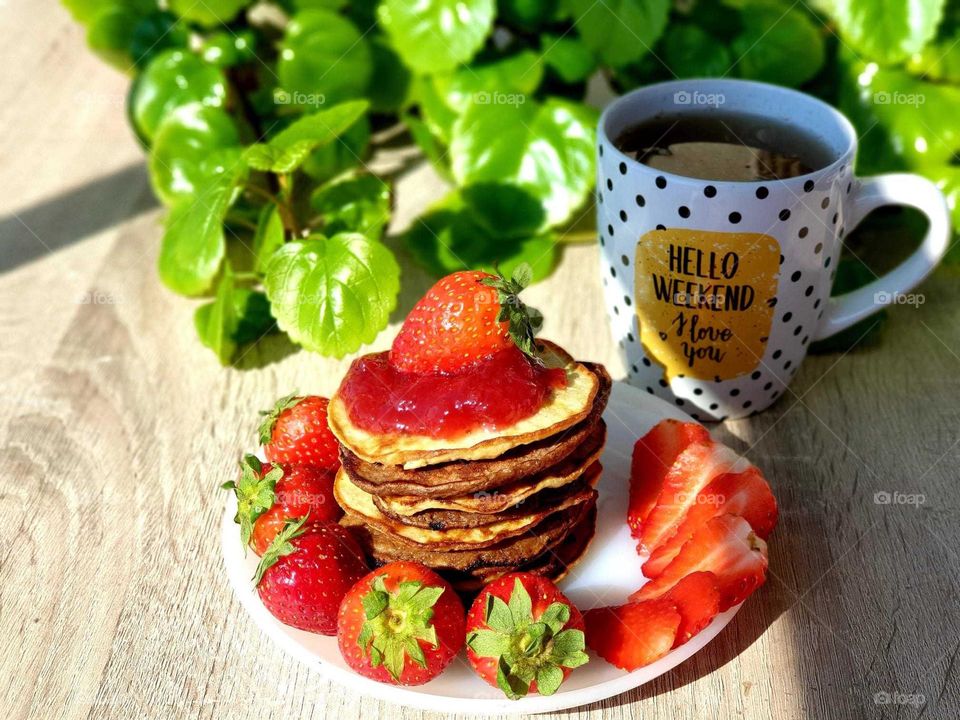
(116, 428)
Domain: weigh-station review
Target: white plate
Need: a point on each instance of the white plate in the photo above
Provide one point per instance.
(608, 572)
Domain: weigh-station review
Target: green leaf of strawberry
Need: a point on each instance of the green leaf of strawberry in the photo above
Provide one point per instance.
(255, 494)
(270, 416)
(280, 546)
(527, 649)
(524, 321)
(396, 622)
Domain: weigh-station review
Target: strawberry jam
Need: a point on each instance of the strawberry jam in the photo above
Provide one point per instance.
(491, 394)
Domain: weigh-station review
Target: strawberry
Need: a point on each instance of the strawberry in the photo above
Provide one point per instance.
(303, 490)
(464, 318)
(745, 494)
(697, 599)
(296, 431)
(305, 573)
(401, 624)
(524, 635)
(726, 546)
(653, 456)
(633, 635)
(255, 493)
(692, 471)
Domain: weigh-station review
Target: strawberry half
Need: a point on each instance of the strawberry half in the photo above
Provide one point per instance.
(464, 318)
(633, 635)
(296, 431)
(653, 456)
(697, 599)
(401, 624)
(692, 471)
(746, 494)
(524, 635)
(725, 546)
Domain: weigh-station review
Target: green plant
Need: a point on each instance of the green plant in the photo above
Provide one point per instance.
(258, 118)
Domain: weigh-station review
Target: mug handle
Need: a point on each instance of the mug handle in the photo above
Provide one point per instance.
(894, 189)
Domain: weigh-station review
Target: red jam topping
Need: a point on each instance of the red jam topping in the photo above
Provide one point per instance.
(495, 393)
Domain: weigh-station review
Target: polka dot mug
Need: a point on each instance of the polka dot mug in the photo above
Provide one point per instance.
(716, 288)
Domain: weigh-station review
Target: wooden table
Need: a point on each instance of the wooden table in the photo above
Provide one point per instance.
(117, 428)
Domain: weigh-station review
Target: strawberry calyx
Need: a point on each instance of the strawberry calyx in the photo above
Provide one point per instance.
(255, 494)
(281, 546)
(395, 622)
(524, 321)
(271, 416)
(526, 649)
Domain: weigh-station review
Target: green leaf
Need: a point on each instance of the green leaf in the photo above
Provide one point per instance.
(785, 48)
(229, 48)
(265, 431)
(548, 150)
(556, 616)
(939, 61)
(171, 80)
(568, 56)
(280, 547)
(488, 643)
(246, 320)
(498, 615)
(436, 35)
(333, 295)
(255, 494)
(217, 322)
(185, 153)
(568, 642)
(266, 158)
(520, 605)
(391, 80)
(109, 32)
(428, 144)
(193, 244)
(620, 32)
(332, 159)
(323, 60)
(507, 81)
(84, 11)
(513, 686)
(527, 15)
(209, 13)
(359, 203)
(154, 34)
(690, 52)
(268, 237)
(549, 678)
(888, 31)
(457, 234)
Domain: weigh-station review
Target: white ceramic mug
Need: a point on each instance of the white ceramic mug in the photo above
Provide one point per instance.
(716, 288)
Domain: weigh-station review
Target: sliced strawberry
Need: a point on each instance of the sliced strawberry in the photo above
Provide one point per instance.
(633, 635)
(653, 456)
(692, 471)
(697, 599)
(746, 494)
(726, 546)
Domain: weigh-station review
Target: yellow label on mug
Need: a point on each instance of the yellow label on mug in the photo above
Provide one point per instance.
(705, 300)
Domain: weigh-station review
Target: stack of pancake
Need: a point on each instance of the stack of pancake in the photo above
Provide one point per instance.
(476, 507)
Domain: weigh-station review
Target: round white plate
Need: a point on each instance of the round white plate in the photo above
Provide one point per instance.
(607, 574)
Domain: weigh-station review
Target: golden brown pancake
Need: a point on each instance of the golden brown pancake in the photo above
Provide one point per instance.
(525, 504)
(457, 478)
(554, 563)
(508, 553)
(564, 408)
(358, 503)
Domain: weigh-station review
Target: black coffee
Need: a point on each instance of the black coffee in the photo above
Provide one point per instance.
(724, 146)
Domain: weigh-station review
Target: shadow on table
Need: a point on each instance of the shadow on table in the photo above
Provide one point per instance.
(73, 215)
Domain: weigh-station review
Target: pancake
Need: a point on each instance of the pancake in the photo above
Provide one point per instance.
(554, 563)
(565, 408)
(457, 478)
(509, 553)
(542, 499)
(358, 503)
